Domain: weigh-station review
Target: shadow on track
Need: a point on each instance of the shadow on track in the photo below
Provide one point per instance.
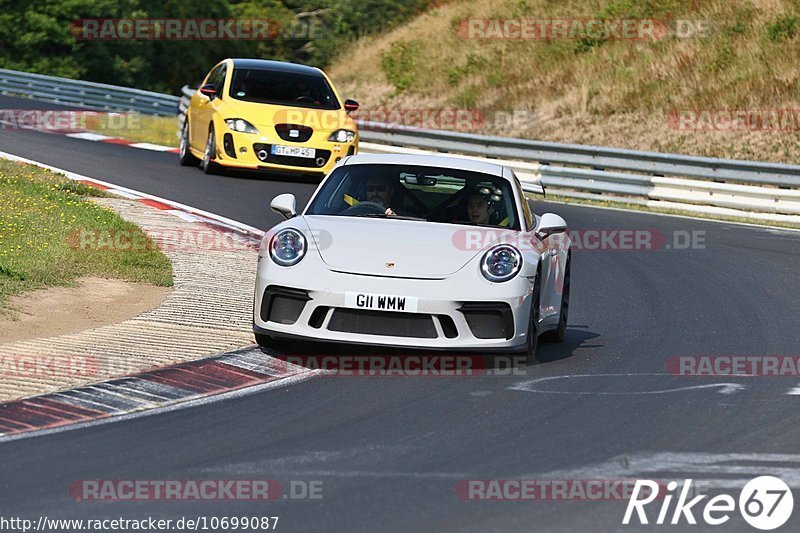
(311, 354)
(576, 336)
(269, 175)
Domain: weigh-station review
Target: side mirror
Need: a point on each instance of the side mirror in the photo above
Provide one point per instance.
(550, 224)
(284, 204)
(209, 90)
(350, 105)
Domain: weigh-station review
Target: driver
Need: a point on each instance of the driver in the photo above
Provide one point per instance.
(305, 92)
(381, 189)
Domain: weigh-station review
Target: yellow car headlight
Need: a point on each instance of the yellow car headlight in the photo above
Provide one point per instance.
(342, 136)
(240, 125)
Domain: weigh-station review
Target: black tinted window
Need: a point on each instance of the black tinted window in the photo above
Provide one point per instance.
(282, 88)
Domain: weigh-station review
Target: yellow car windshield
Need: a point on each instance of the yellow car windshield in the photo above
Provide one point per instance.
(282, 88)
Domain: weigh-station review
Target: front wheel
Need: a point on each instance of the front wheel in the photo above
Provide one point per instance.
(532, 341)
(558, 334)
(185, 155)
(208, 165)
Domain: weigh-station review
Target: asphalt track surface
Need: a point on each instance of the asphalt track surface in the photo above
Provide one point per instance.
(390, 451)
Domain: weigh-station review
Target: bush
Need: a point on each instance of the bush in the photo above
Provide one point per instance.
(782, 28)
(398, 64)
(37, 37)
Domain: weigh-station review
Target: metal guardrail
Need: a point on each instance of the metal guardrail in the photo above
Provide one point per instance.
(596, 157)
(696, 184)
(86, 94)
(183, 103)
(713, 186)
(699, 184)
(694, 195)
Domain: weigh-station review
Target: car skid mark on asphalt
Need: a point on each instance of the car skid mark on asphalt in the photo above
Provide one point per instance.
(538, 385)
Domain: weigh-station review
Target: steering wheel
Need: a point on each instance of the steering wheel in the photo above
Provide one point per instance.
(362, 208)
(305, 99)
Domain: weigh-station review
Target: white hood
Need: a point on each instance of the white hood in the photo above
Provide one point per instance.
(365, 246)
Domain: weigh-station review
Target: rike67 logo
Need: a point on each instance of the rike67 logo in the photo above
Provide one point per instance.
(765, 503)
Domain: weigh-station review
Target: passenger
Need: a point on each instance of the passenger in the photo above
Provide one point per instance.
(478, 209)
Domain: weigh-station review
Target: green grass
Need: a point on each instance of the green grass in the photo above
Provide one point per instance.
(132, 126)
(726, 56)
(139, 128)
(41, 212)
(398, 62)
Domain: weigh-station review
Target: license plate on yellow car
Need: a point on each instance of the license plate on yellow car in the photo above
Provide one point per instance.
(293, 151)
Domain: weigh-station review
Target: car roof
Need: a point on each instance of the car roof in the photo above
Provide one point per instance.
(440, 161)
(282, 66)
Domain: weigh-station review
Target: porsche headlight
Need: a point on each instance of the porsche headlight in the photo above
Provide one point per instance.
(342, 136)
(240, 125)
(501, 263)
(287, 247)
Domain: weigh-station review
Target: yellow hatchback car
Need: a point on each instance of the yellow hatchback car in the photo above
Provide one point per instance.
(267, 115)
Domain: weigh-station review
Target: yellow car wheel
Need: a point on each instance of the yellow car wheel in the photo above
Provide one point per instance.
(208, 164)
(185, 155)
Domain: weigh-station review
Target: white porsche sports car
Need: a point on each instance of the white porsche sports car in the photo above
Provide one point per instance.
(426, 252)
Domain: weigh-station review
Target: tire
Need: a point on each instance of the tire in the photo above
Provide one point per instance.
(532, 338)
(558, 334)
(185, 155)
(207, 164)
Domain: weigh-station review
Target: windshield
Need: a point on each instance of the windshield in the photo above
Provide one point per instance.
(282, 88)
(418, 192)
